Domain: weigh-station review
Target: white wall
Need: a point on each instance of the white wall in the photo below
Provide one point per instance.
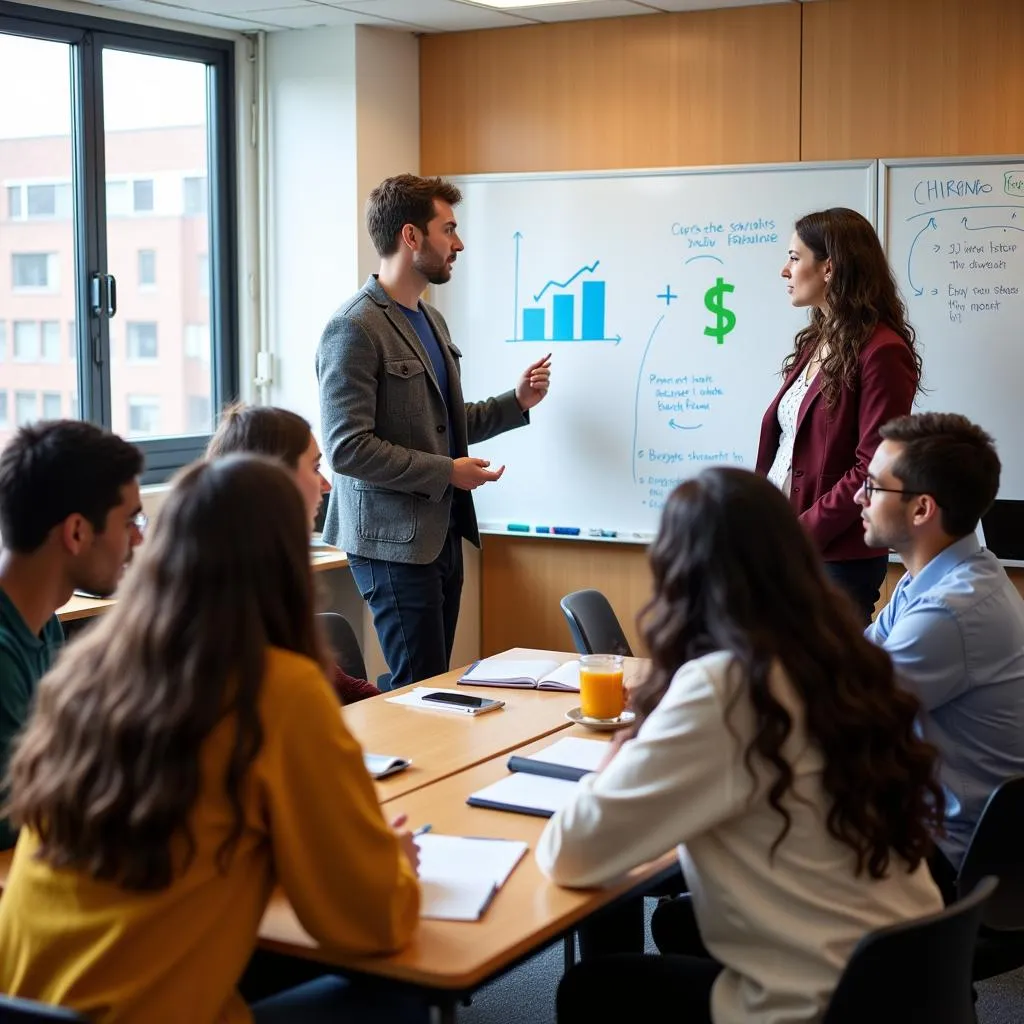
(343, 113)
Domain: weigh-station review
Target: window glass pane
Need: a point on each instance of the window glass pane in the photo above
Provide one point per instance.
(156, 143)
(37, 250)
(51, 405)
(142, 341)
(24, 407)
(147, 267)
(51, 341)
(3, 409)
(26, 341)
(3, 340)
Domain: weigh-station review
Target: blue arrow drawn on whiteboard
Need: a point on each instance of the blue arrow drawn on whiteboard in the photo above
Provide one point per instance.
(990, 227)
(706, 256)
(931, 224)
(515, 301)
(565, 284)
(678, 426)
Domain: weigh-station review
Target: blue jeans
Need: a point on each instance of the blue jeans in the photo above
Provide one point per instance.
(415, 609)
(331, 1000)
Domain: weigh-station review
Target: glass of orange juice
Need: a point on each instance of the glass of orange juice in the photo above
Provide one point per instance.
(601, 692)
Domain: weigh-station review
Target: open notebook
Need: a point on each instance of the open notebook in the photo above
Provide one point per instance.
(528, 674)
(544, 781)
(459, 877)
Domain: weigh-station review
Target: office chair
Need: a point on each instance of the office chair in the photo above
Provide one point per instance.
(593, 625)
(996, 849)
(341, 638)
(916, 972)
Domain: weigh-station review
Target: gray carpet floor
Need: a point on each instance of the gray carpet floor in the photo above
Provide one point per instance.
(527, 994)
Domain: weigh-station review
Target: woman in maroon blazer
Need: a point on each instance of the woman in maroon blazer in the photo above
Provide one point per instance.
(853, 367)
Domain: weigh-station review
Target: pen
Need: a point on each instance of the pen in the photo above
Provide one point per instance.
(423, 830)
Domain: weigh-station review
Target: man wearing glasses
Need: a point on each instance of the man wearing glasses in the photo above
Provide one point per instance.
(70, 517)
(955, 624)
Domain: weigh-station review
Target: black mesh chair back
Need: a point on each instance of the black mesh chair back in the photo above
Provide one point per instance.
(593, 625)
(342, 640)
(997, 848)
(916, 972)
(16, 1011)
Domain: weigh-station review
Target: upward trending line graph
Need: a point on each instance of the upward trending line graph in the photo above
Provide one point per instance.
(563, 309)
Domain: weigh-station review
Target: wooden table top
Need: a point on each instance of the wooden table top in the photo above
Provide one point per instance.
(528, 912)
(81, 607)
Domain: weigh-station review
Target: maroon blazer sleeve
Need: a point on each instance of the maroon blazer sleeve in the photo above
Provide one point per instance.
(350, 689)
(888, 383)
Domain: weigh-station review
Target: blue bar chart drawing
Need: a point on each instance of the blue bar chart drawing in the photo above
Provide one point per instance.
(531, 322)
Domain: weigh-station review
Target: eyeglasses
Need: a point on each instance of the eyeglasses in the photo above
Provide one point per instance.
(140, 521)
(870, 489)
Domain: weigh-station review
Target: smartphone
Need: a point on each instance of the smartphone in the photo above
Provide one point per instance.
(464, 701)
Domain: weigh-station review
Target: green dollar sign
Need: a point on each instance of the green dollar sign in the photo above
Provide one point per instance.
(725, 318)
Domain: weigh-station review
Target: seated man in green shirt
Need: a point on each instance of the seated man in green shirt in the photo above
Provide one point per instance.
(70, 517)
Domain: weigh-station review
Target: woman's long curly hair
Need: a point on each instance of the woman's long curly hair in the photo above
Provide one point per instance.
(861, 293)
(734, 571)
(108, 769)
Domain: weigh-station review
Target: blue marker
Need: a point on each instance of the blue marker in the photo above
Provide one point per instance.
(518, 527)
(543, 529)
(567, 531)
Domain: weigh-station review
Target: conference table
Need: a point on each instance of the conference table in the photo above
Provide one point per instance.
(82, 606)
(452, 756)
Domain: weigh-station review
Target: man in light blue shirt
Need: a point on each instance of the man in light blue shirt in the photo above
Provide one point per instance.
(955, 625)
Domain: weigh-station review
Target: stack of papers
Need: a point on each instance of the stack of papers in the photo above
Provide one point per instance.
(459, 877)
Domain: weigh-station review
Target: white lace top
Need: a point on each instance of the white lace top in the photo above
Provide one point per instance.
(789, 409)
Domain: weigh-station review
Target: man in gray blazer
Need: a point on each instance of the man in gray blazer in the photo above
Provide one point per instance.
(396, 430)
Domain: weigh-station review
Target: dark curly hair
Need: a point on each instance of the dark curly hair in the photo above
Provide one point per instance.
(734, 571)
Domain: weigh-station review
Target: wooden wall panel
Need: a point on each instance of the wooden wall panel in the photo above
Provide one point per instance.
(912, 78)
(711, 87)
(524, 579)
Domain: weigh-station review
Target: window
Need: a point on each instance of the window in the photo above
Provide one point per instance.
(146, 178)
(204, 275)
(3, 408)
(36, 270)
(194, 196)
(26, 341)
(197, 341)
(142, 195)
(143, 415)
(141, 340)
(147, 267)
(51, 405)
(3, 340)
(51, 341)
(199, 413)
(24, 407)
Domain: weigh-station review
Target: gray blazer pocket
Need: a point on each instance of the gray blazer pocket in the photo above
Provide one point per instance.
(388, 516)
(405, 387)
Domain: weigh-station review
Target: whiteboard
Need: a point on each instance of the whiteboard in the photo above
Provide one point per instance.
(658, 294)
(954, 233)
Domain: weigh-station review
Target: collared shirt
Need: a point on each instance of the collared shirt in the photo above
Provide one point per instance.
(24, 660)
(955, 633)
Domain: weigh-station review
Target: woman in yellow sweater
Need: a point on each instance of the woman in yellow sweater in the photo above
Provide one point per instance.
(186, 756)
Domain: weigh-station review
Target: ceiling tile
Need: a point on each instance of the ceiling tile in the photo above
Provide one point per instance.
(319, 15)
(436, 15)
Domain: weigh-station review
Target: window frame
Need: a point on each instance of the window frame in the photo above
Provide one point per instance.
(88, 36)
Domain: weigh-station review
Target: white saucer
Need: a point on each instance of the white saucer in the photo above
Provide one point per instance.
(601, 724)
